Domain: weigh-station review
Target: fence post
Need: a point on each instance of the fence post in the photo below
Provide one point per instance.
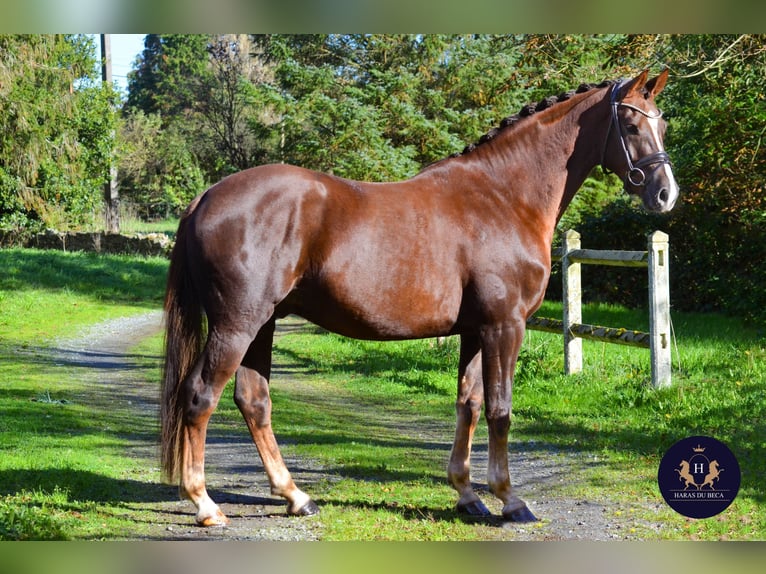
(659, 308)
(572, 299)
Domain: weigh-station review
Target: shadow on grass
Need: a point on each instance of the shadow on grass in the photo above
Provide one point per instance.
(84, 486)
(643, 441)
(418, 512)
(85, 358)
(645, 433)
(117, 395)
(410, 371)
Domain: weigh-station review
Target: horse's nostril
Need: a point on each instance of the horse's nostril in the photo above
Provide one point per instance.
(663, 195)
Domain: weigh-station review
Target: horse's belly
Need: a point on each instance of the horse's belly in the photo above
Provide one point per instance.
(378, 314)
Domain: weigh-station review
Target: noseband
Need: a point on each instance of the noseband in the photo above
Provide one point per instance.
(635, 175)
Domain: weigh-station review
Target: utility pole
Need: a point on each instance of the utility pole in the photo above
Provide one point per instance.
(111, 192)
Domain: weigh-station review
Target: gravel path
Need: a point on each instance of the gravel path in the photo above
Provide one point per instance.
(237, 482)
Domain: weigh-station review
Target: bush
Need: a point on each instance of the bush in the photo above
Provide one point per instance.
(714, 260)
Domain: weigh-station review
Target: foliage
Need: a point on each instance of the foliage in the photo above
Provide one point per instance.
(380, 107)
(227, 103)
(717, 233)
(203, 90)
(722, 229)
(158, 174)
(164, 75)
(55, 130)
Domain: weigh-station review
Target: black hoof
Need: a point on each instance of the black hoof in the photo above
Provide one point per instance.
(522, 514)
(308, 509)
(475, 508)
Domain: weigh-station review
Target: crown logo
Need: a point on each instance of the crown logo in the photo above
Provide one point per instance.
(699, 448)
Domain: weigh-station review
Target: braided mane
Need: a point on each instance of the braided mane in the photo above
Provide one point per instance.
(530, 110)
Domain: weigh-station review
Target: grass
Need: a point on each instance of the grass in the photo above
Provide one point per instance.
(358, 409)
(135, 225)
(609, 417)
(64, 472)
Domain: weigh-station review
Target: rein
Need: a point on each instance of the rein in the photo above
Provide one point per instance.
(635, 175)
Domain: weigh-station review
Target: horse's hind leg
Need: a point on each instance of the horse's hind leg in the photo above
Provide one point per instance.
(199, 395)
(252, 397)
(468, 407)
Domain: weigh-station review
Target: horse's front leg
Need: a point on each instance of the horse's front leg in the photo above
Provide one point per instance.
(468, 409)
(500, 349)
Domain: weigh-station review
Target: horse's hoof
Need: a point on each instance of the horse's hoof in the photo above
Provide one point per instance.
(218, 519)
(308, 509)
(522, 514)
(475, 508)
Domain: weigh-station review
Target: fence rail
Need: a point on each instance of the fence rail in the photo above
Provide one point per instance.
(656, 259)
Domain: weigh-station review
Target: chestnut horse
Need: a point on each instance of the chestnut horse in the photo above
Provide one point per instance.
(462, 248)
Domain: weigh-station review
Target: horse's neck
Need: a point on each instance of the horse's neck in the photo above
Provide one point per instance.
(592, 129)
(550, 155)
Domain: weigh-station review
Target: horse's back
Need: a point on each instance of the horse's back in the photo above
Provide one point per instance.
(366, 260)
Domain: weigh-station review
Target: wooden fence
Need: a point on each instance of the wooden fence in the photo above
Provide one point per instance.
(656, 259)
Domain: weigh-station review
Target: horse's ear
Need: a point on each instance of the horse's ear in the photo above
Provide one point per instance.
(633, 85)
(657, 84)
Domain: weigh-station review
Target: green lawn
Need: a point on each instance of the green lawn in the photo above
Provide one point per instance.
(65, 472)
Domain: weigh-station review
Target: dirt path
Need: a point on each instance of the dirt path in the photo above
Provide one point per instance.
(234, 474)
(237, 482)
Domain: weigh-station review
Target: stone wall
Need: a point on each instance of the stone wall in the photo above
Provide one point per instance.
(98, 242)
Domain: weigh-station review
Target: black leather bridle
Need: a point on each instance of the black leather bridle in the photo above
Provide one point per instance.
(635, 175)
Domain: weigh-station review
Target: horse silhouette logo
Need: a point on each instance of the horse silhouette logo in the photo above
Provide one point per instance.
(686, 476)
(711, 475)
(699, 477)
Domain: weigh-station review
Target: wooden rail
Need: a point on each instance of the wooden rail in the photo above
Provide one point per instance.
(656, 259)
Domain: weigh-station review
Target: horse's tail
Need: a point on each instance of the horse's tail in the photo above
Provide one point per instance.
(184, 335)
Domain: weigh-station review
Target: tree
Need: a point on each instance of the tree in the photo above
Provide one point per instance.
(364, 106)
(375, 106)
(203, 87)
(228, 102)
(165, 74)
(380, 107)
(157, 171)
(55, 125)
(720, 111)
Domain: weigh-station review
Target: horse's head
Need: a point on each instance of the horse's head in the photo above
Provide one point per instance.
(634, 148)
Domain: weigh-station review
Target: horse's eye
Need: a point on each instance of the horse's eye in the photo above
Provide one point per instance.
(631, 129)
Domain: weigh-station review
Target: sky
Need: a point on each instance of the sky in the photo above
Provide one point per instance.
(125, 48)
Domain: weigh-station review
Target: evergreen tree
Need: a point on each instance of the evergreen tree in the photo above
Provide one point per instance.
(166, 72)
